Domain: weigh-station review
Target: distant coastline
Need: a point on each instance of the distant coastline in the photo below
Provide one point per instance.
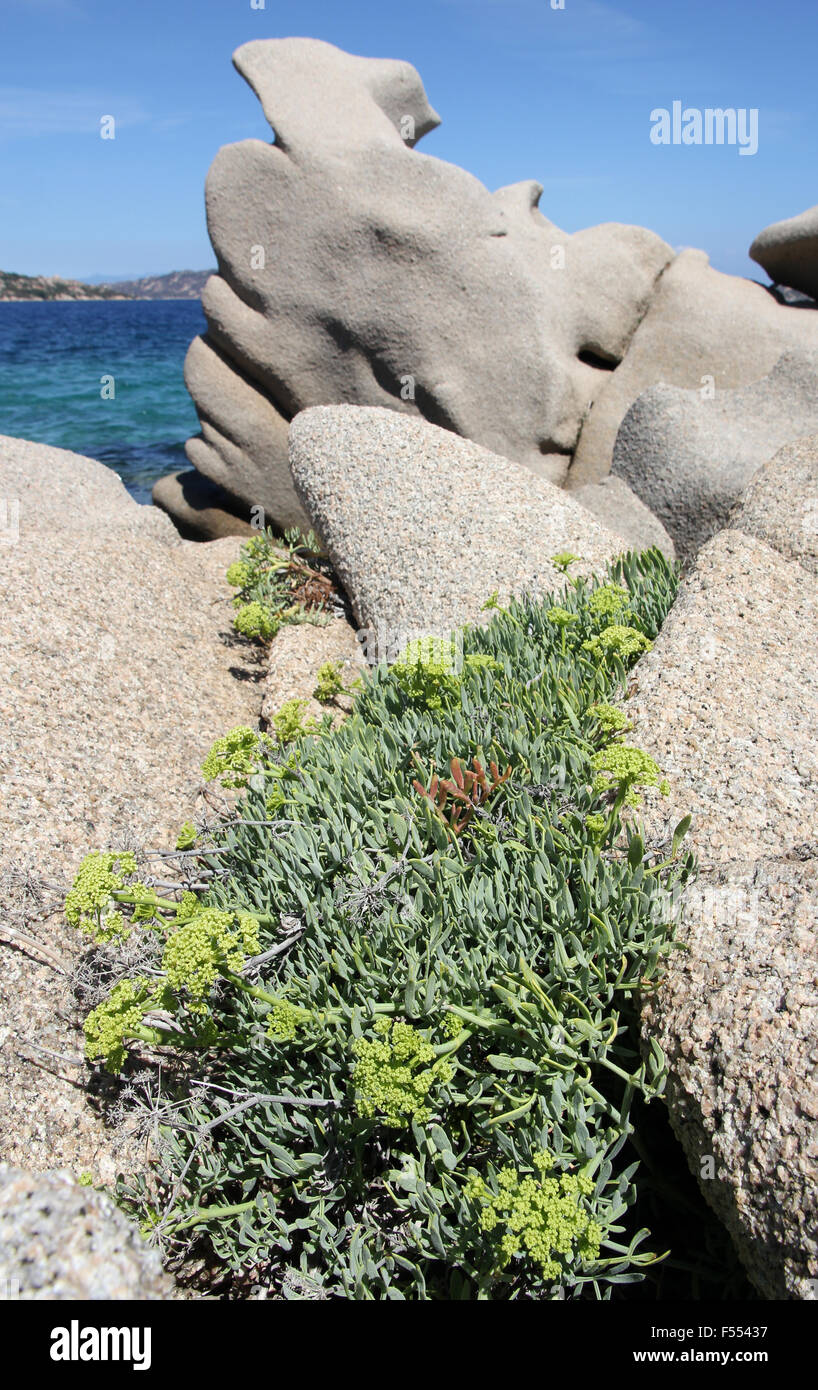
(178, 284)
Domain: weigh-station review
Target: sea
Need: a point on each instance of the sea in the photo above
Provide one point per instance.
(103, 378)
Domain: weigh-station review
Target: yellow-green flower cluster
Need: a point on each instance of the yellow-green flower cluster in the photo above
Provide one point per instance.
(393, 1075)
(564, 559)
(610, 719)
(234, 757)
(285, 1019)
(617, 640)
(89, 904)
(239, 574)
(608, 600)
(620, 766)
(254, 620)
(597, 824)
(560, 616)
(210, 944)
(112, 1022)
(539, 1218)
(328, 682)
(186, 838)
(425, 670)
(290, 723)
(451, 1026)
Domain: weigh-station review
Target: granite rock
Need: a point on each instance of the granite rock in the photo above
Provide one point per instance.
(118, 671)
(243, 444)
(354, 269)
(689, 455)
(59, 1240)
(703, 331)
(422, 526)
(297, 654)
(199, 509)
(780, 506)
(727, 704)
(737, 1018)
(617, 506)
(788, 251)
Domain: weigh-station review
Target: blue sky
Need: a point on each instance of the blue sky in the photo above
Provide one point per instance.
(525, 91)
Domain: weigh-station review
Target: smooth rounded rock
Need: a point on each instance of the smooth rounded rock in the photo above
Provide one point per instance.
(788, 251)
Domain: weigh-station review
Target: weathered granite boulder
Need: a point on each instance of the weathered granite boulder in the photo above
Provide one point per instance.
(118, 671)
(616, 505)
(422, 526)
(703, 331)
(200, 509)
(354, 269)
(59, 1240)
(243, 445)
(690, 454)
(788, 251)
(727, 703)
(781, 504)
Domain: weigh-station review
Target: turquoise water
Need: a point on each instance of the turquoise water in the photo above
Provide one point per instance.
(52, 359)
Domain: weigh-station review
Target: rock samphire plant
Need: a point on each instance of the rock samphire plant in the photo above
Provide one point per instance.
(280, 581)
(398, 1012)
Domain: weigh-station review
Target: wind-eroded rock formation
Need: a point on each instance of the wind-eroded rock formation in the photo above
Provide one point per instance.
(354, 269)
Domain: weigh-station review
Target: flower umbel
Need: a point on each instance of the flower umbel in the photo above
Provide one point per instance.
(623, 768)
(211, 944)
(537, 1218)
(285, 1019)
(618, 640)
(234, 757)
(90, 906)
(119, 1017)
(393, 1077)
(608, 600)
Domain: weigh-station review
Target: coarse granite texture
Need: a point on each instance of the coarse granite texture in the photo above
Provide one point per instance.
(118, 670)
(781, 504)
(59, 1240)
(727, 703)
(422, 526)
(737, 1018)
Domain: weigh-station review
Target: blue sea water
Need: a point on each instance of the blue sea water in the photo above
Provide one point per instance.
(53, 356)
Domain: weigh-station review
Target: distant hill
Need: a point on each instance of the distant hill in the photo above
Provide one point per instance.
(178, 284)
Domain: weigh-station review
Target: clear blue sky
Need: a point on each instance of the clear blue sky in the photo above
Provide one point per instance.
(525, 91)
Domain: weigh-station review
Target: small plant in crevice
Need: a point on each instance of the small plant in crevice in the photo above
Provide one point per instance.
(412, 1003)
(281, 582)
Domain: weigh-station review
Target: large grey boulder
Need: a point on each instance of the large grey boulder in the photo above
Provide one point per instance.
(690, 454)
(354, 269)
(781, 504)
(788, 251)
(703, 331)
(243, 444)
(199, 508)
(422, 526)
(727, 704)
(116, 678)
(59, 1240)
